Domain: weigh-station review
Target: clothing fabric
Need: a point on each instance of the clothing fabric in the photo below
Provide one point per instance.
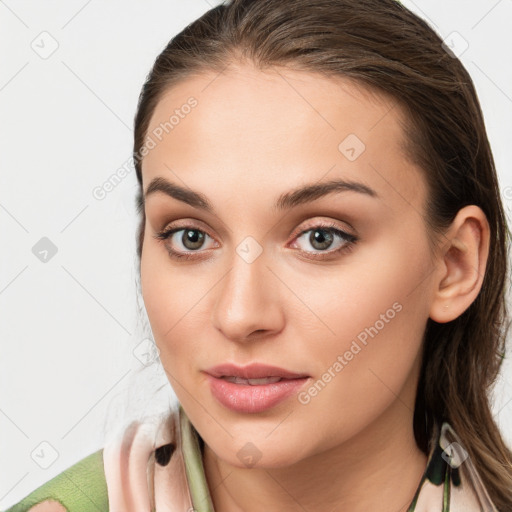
(156, 466)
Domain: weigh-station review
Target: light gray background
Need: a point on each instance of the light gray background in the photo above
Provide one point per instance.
(68, 327)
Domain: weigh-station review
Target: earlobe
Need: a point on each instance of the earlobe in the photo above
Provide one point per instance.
(462, 264)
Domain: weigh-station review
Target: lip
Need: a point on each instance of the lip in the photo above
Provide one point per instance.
(248, 398)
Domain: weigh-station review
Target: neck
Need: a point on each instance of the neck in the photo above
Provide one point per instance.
(378, 469)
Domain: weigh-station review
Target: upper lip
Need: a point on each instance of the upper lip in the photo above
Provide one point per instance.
(252, 371)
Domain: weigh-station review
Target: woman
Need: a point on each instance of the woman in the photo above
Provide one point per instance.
(323, 263)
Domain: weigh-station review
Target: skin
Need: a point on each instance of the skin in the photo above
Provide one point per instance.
(48, 506)
(253, 136)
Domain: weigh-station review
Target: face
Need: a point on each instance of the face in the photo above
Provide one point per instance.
(331, 285)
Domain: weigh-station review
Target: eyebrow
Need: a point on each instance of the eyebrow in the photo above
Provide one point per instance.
(301, 195)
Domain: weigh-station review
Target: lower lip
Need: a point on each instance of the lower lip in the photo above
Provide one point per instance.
(251, 399)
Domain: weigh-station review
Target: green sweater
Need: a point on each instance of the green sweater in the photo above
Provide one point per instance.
(81, 487)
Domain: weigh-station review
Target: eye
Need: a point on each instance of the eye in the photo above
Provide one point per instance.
(321, 237)
(187, 238)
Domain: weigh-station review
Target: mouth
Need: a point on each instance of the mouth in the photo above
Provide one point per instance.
(253, 371)
(253, 388)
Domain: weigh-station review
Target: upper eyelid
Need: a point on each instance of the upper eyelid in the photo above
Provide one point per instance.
(311, 224)
(326, 224)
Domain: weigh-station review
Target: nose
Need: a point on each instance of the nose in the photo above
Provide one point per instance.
(248, 305)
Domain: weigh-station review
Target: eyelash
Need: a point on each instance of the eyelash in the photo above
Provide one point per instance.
(350, 241)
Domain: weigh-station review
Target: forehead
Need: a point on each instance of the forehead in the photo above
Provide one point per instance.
(250, 127)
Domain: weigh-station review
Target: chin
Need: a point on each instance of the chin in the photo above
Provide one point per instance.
(260, 452)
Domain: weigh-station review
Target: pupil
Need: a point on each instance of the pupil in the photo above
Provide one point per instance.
(194, 238)
(318, 237)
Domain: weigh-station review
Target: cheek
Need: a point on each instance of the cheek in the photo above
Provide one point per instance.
(175, 300)
(163, 293)
(377, 313)
(381, 285)
(156, 286)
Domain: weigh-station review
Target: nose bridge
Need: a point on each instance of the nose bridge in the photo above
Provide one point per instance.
(248, 297)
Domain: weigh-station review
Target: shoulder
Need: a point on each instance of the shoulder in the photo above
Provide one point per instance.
(80, 488)
(120, 473)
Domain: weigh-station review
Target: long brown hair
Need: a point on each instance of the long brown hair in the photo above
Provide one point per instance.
(381, 44)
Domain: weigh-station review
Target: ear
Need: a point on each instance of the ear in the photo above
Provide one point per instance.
(461, 264)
